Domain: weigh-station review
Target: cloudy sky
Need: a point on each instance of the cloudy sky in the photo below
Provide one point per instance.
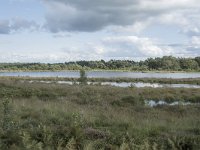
(68, 30)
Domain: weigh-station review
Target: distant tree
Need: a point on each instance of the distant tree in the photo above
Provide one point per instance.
(197, 59)
(152, 64)
(188, 64)
(170, 63)
(83, 77)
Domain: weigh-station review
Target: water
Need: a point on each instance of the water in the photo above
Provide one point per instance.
(153, 103)
(129, 84)
(103, 74)
(152, 85)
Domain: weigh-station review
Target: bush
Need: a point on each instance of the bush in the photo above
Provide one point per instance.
(83, 78)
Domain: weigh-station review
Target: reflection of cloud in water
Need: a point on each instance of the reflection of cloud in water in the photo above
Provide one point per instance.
(127, 84)
(153, 103)
(153, 85)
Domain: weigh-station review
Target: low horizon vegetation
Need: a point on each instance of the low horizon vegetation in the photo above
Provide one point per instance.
(165, 63)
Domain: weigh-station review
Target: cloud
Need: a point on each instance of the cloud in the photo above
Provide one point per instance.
(20, 24)
(196, 41)
(94, 15)
(4, 27)
(134, 29)
(120, 47)
(190, 49)
(193, 30)
(86, 52)
(195, 46)
(17, 24)
(61, 35)
(50, 58)
(133, 46)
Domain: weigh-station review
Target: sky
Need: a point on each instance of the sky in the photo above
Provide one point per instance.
(52, 31)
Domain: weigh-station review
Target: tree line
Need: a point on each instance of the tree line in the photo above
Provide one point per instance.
(165, 63)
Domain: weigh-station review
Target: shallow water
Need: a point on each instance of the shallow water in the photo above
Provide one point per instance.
(152, 85)
(103, 74)
(127, 84)
(153, 103)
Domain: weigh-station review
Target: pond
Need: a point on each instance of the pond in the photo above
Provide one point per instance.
(128, 84)
(152, 85)
(153, 103)
(103, 74)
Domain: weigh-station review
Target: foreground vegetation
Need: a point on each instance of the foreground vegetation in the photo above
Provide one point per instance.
(166, 63)
(53, 116)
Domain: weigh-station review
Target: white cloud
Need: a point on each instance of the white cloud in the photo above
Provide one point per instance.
(136, 28)
(133, 46)
(195, 41)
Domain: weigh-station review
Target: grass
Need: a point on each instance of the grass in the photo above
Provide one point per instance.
(53, 116)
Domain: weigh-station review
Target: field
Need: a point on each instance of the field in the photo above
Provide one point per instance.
(63, 117)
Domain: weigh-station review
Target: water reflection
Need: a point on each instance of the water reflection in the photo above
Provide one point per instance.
(153, 103)
(127, 84)
(152, 85)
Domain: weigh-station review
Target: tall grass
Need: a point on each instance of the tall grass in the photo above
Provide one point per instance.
(52, 116)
